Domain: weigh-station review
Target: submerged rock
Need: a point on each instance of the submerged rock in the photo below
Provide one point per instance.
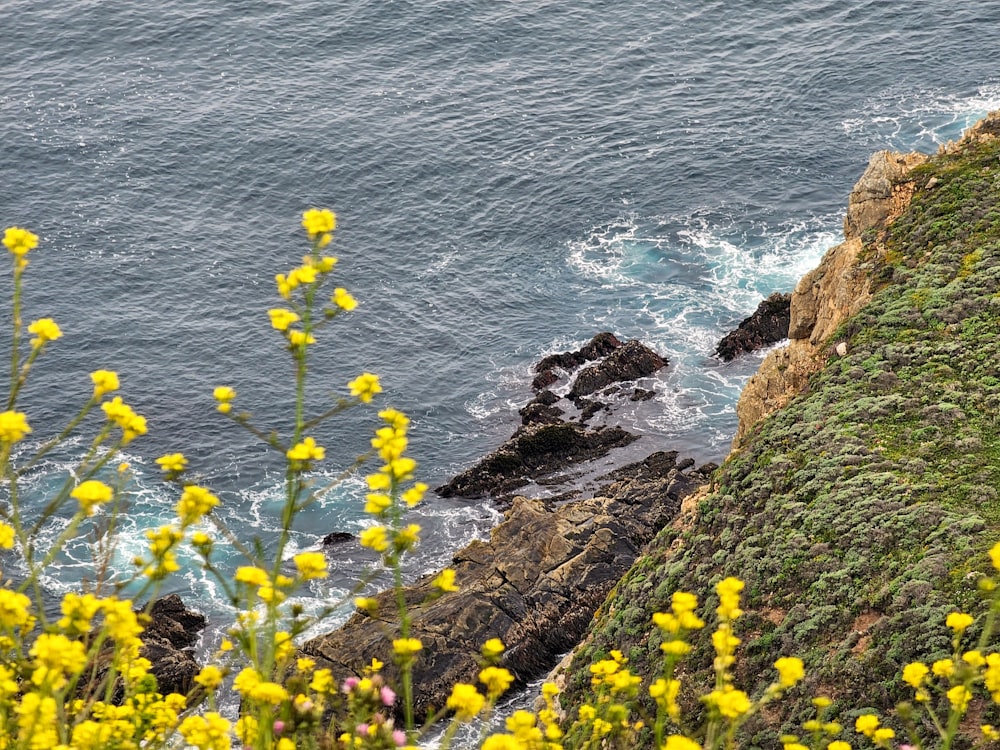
(767, 325)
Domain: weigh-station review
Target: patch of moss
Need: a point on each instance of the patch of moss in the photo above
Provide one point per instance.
(858, 515)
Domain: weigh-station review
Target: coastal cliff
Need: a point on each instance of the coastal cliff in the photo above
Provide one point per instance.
(862, 494)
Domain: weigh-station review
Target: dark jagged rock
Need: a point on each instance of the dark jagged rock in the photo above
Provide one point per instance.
(600, 346)
(532, 452)
(542, 410)
(170, 634)
(535, 584)
(337, 537)
(767, 325)
(631, 361)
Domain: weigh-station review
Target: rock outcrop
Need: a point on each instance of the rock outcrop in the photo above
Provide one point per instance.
(829, 294)
(767, 325)
(534, 451)
(554, 435)
(168, 642)
(535, 584)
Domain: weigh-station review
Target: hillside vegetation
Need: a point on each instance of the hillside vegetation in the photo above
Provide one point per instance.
(860, 514)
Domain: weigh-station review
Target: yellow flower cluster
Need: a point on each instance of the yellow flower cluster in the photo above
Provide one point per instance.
(13, 426)
(19, 241)
(90, 493)
(44, 331)
(121, 414)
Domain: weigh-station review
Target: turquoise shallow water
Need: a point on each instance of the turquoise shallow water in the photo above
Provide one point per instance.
(510, 178)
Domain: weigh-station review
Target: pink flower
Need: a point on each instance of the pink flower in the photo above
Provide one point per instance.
(387, 695)
(349, 684)
(279, 727)
(399, 737)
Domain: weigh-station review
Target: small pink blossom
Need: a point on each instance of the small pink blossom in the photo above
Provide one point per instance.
(279, 727)
(399, 737)
(388, 695)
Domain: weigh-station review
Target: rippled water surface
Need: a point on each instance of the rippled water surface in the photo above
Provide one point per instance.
(510, 178)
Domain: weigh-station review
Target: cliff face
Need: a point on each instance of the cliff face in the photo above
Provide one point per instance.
(863, 496)
(830, 293)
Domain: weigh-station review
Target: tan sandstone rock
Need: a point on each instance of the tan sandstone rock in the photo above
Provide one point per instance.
(829, 294)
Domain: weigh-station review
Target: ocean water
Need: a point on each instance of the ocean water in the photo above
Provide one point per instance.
(510, 178)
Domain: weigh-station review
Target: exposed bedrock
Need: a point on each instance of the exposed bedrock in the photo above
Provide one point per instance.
(767, 325)
(168, 642)
(535, 583)
(533, 452)
(554, 434)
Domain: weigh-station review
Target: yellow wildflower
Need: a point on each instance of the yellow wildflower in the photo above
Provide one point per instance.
(301, 338)
(377, 503)
(172, 463)
(282, 318)
(15, 610)
(376, 538)
(195, 502)
(318, 221)
(493, 648)
(731, 704)
(959, 697)
(406, 648)
(44, 330)
(914, 674)
(224, 394)
(343, 299)
(680, 742)
(500, 742)
(104, 381)
(943, 668)
(91, 493)
(19, 241)
(366, 604)
(838, 745)
(866, 724)
(496, 680)
(445, 581)
(414, 494)
(209, 677)
(406, 538)
(207, 732)
(958, 621)
(465, 701)
(55, 658)
(365, 387)
(13, 426)
(729, 590)
(78, 612)
(995, 555)
(253, 575)
(311, 565)
(377, 482)
(790, 671)
(7, 536)
(306, 451)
